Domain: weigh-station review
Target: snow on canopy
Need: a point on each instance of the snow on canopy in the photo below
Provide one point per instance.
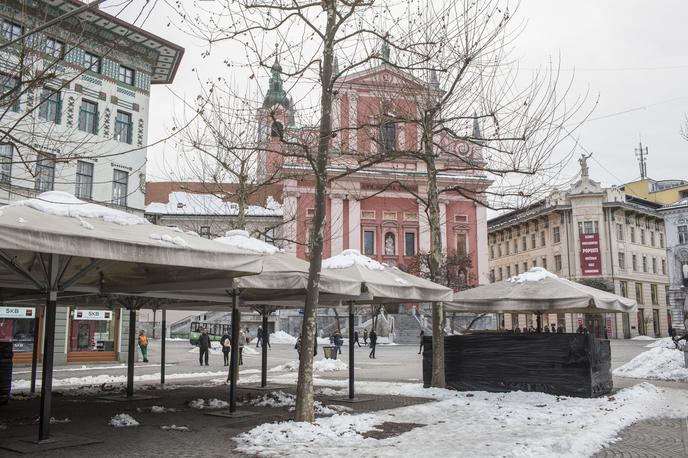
(187, 203)
(534, 274)
(349, 258)
(60, 203)
(241, 239)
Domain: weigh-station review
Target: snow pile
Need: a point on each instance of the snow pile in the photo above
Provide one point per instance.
(123, 420)
(155, 409)
(278, 399)
(55, 421)
(534, 274)
(104, 379)
(281, 337)
(208, 404)
(175, 428)
(665, 342)
(320, 365)
(165, 238)
(187, 203)
(643, 338)
(64, 204)
(658, 364)
(575, 426)
(350, 258)
(401, 281)
(242, 239)
(327, 392)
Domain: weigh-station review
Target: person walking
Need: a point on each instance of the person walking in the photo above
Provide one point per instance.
(422, 344)
(242, 340)
(204, 347)
(143, 345)
(259, 336)
(266, 339)
(338, 341)
(373, 343)
(226, 343)
(365, 336)
(356, 339)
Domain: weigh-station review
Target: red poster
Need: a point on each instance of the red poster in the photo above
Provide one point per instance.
(609, 326)
(591, 261)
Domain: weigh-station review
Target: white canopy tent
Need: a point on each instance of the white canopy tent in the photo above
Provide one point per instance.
(55, 243)
(538, 291)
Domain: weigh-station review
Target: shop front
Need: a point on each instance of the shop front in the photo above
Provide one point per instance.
(93, 335)
(17, 325)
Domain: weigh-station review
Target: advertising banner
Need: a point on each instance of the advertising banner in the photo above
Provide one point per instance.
(17, 312)
(591, 261)
(93, 315)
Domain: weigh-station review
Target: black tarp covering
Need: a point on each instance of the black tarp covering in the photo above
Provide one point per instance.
(561, 364)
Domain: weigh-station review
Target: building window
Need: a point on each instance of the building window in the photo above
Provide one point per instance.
(126, 75)
(84, 180)
(491, 251)
(508, 271)
(639, 293)
(556, 234)
(54, 48)
(369, 243)
(525, 266)
(632, 234)
(88, 117)
(388, 137)
(642, 236)
(499, 250)
(524, 244)
(661, 240)
(204, 232)
(11, 30)
(557, 263)
(654, 296)
(91, 62)
(634, 263)
(462, 244)
(120, 183)
(534, 262)
(6, 154)
(410, 243)
(652, 238)
(45, 173)
(645, 264)
(501, 277)
(533, 241)
(542, 238)
(663, 266)
(11, 92)
(683, 235)
(492, 275)
(588, 227)
(619, 231)
(544, 263)
(516, 269)
(623, 288)
(622, 260)
(508, 248)
(51, 106)
(654, 265)
(123, 127)
(515, 246)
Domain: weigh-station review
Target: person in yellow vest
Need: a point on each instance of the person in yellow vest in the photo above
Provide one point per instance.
(143, 345)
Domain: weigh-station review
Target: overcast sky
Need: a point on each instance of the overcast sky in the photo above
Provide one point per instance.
(629, 53)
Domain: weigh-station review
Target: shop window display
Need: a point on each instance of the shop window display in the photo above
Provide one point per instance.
(17, 326)
(92, 331)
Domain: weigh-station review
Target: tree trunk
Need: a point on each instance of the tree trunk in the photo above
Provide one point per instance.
(336, 316)
(435, 256)
(304, 389)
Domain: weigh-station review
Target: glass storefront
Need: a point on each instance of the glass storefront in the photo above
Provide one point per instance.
(17, 326)
(92, 331)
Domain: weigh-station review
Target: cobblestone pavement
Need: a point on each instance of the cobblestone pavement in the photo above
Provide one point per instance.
(661, 437)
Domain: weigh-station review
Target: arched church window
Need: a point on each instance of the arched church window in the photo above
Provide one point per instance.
(277, 129)
(390, 243)
(388, 137)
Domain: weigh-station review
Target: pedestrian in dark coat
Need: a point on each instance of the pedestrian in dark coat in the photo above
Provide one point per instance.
(259, 336)
(365, 336)
(338, 342)
(356, 339)
(226, 343)
(373, 343)
(204, 347)
(422, 344)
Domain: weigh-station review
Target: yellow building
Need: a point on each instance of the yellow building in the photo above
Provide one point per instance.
(661, 192)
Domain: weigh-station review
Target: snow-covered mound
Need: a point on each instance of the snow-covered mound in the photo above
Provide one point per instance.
(208, 404)
(665, 342)
(281, 337)
(123, 420)
(350, 258)
(320, 365)
(658, 363)
(643, 338)
(534, 274)
(241, 239)
(278, 399)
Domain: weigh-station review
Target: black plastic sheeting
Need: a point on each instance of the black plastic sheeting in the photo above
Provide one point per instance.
(561, 364)
(5, 371)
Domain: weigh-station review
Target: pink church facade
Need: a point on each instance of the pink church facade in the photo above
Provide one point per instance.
(375, 210)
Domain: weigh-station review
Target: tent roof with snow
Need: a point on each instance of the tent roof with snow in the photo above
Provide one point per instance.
(538, 291)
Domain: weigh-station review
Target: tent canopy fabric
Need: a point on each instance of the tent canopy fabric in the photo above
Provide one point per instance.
(384, 284)
(538, 291)
(106, 250)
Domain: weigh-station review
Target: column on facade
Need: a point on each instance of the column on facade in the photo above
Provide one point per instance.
(423, 229)
(353, 111)
(443, 226)
(481, 240)
(290, 206)
(337, 223)
(336, 121)
(354, 224)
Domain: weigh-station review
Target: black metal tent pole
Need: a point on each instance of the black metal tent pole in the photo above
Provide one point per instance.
(234, 358)
(48, 349)
(131, 350)
(162, 346)
(264, 350)
(351, 350)
(34, 352)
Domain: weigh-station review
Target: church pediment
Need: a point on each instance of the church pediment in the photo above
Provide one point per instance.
(385, 76)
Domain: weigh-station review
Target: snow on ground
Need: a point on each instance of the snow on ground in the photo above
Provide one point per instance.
(123, 420)
(489, 424)
(320, 365)
(175, 428)
(281, 337)
(328, 392)
(658, 363)
(156, 409)
(665, 342)
(278, 399)
(208, 404)
(643, 338)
